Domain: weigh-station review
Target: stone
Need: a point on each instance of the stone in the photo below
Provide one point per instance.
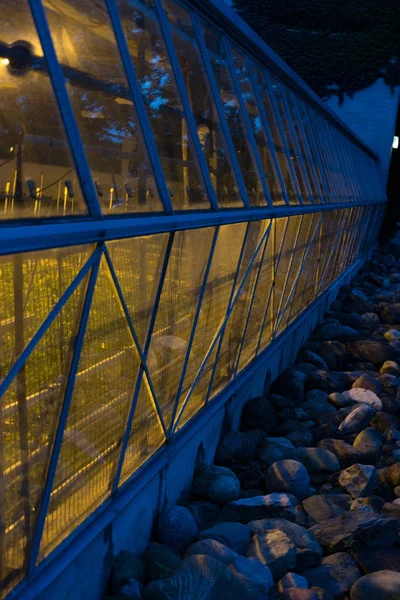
(213, 548)
(357, 302)
(359, 418)
(377, 559)
(389, 313)
(291, 385)
(384, 585)
(326, 381)
(258, 413)
(374, 351)
(370, 321)
(280, 402)
(126, 566)
(353, 320)
(391, 335)
(258, 507)
(314, 359)
(203, 512)
(383, 421)
(345, 453)
(335, 331)
(308, 550)
(250, 473)
(318, 460)
(258, 575)
(359, 480)
(335, 355)
(354, 529)
(327, 431)
(367, 382)
(177, 528)
(131, 589)
(391, 367)
(389, 383)
(288, 476)
(216, 484)
(364, 396)
(317, 406)
(335, 575)
(299, 594)
(234, 535)
(392, 475)
(322, 507)
(234, 445)
(369, 443)
(340, 400)
(201, 578)
(275, 449)
(300, 438)
(274, 549)
(292, 580)
(160, 562)
(391, 509)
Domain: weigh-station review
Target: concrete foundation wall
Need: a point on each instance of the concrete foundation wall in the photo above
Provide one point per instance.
(79, 569)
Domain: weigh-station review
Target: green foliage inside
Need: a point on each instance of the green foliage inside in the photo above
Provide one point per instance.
(337, 47)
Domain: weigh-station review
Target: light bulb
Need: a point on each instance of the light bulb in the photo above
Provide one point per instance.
(5, 61)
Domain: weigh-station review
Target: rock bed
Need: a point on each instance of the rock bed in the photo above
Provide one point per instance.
(304, 502)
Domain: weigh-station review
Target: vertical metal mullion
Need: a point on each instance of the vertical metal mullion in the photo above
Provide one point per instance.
(141, 112)
(252, 301)
(246, 120)
(165, 32)
(317, 154)
(66, 112)
(125, 439)
(231, 296)
(194, 327)
(293, 134)
(62, 421)
(279, 123)
(218, 104)
(325, 155)
(266, 129)
(303, 133)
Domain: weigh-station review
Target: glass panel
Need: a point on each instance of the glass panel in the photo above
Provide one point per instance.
(103, 107)
(29, 411)
(234, 329)
(37, 175)
(202, 105)
(100, 401)
(304, 115)
(290, 229)
(261, 303)
(276, 134)
(138, 264)
(279, 91)
(178, 302)
(213, 309)
(263, 147)
(164, 107)
(233, 116)
(31, 284)
(146, 435)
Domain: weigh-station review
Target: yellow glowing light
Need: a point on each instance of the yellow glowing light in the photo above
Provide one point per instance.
(5, 61)
(12, 149)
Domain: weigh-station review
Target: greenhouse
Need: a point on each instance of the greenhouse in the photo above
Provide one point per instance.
(172, 199)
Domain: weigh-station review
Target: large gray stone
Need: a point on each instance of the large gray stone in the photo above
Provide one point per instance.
(314, 359)
(371, 560)
(335, 575)
(216, 484)
(359, 418)
(382, 585)
(213, 548)
(160, 562)
(258, 507)
(339, 400)
(258, 575)
(274, 549)
(201, 578)
(346, 454)
(335, 355)
(327, 381)
(318, 460)
(367, 382)
(374, 351)
(389, 313)
(308, 550)
(320, 508)
(290, 385)
(276, 449)
(126, 566)
(177, 528)
(288, 476)
(300, 594)
(390, 367)
(235, 445)
(318, 408)
(335, 331)
(359, 480)
(369, 443)
(363, 396)
(390, 384)
(355, 529)
(258, 413)
(357, 302)
(292, 580)
(234, 535)
(203, 512)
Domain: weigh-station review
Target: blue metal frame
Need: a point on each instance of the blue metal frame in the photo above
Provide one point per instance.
(125, 439)
(220, 110)
(258, 168)
(51, 473)
(67, 114)
(140, 107)
(169, 44)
